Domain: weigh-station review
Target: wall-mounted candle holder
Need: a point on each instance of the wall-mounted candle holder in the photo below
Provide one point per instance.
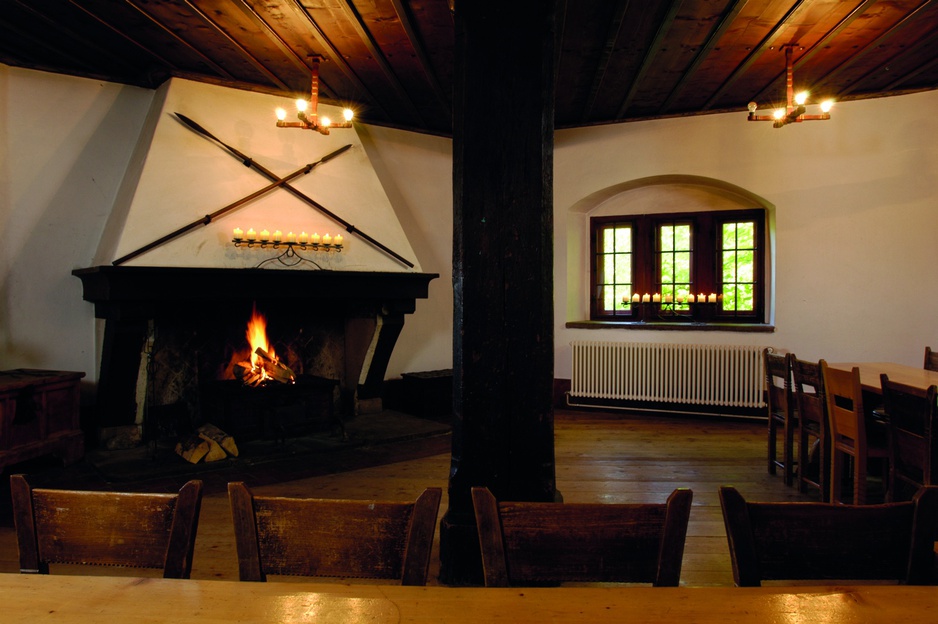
(293, 243)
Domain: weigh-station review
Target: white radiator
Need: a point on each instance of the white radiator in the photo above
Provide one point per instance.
(718, 375)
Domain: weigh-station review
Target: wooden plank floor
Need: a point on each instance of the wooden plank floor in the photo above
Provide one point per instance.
(600, 457)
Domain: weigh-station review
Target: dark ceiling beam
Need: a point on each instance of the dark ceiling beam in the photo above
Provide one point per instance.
(417, 43)
(715, 35)
(335, 56)
(871, 46)
(356, 21)
(914, 51)
(273, 78)
(602, 64)
(752, 57)
(650, 55)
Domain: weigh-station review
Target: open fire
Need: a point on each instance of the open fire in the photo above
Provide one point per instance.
(264, 366)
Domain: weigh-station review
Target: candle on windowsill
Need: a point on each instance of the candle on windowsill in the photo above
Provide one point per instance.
(712, 298)
(701, 298)
(656, 298)
(668, 298)
(636, 298)
(646, 298)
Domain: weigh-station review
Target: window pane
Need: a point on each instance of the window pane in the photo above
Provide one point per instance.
(738, 266)
(614, 283)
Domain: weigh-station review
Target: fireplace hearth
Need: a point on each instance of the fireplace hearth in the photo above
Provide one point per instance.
(335, 329)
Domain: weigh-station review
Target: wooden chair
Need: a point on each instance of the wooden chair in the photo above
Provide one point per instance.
(931, 360)
(526, 543)
(811, 404)
(139, 530)
(850, 436)
(913, 450)
(821, 541)
(337, 538)
(781, 413)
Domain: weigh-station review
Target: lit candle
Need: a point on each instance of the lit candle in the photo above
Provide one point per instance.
(314, 239)
(712, 298)
(277, 236)
(265, 235)
(291, 237)
(656, 298)
(338, 239)
(252, 234)
(646, 298)
(238, 233)
(636, 298)
(326, 239)
(701, 298)
(668, 298)
(304, 238)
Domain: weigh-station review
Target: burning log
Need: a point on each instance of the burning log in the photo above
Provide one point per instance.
(277, 370)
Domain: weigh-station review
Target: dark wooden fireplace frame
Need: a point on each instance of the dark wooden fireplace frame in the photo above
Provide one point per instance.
(128, 298)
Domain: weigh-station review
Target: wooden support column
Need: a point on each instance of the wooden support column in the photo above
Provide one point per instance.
(502, 266)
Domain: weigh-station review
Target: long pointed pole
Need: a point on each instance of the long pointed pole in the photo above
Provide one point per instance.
(251, 163)
(209, 217)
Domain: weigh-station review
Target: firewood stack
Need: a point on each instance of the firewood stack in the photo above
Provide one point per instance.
(269, 369)
(208, 443)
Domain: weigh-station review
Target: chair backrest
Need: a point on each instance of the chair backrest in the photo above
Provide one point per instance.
(821, 541)
(529, 543)
(911, 413)
(336, 538)
(778, 383)
(131, 529)
(808, 384)
(845, 413)
(931, 359)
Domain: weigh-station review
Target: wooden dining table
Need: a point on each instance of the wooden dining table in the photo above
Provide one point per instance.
(870, 371)
(35, 599)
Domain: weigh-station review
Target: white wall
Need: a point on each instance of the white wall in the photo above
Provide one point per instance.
(855, 204)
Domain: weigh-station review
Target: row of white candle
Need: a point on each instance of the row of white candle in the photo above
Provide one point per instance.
(303, 238)
(668, 298)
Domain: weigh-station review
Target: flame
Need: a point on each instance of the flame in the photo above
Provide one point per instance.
(257, 337)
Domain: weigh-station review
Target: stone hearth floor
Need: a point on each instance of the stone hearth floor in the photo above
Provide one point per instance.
(370, 439)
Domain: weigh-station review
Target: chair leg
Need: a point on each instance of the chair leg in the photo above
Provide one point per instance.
(773, 443)
(789, 452)
(859, 480)
(836, 476)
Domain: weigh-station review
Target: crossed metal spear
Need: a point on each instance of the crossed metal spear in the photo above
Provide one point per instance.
(251, 163)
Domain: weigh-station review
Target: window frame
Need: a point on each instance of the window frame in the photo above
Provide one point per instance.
(705, 267)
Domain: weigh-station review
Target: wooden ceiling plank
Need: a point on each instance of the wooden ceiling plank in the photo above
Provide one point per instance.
(602, 64)
(376, 53)
(334, 55)
(913, 53)
(719, 29)
(663, 29)
(824, 41)
(871, 46)
(250, 58)
(417, 43)
(37, 43)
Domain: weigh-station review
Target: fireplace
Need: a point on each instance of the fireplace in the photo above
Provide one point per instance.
(178, 327)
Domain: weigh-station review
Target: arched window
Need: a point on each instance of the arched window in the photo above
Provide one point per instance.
(692, 267)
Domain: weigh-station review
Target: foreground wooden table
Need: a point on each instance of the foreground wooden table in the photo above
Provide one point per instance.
(870, 371)
(36, 599)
